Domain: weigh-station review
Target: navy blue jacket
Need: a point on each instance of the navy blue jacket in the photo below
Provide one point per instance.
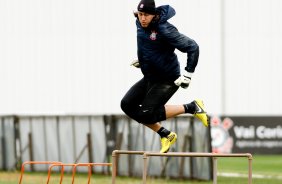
(156, 45)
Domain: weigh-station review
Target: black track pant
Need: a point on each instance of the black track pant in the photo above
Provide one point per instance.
(144, 102)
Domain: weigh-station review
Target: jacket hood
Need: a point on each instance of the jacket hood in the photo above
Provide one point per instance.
(165, 12)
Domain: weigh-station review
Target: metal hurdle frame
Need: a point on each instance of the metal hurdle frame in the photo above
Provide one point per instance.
(34, 163)
(146, 156)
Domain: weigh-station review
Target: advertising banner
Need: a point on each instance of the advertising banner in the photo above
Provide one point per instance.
(256, 135)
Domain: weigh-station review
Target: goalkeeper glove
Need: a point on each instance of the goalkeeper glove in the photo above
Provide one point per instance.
(135, 63)
(184, 80)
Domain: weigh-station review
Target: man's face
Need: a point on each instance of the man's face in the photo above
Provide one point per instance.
(145, 18)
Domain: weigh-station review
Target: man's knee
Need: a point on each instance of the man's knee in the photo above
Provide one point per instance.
(152, 115)
(146, 116)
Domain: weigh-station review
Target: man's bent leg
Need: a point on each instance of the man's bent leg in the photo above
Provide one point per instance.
(173, 110)
(153, 110)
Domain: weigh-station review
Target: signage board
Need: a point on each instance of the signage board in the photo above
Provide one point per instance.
(259, 135)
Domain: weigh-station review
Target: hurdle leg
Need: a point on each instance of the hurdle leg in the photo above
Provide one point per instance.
(214, 159)
(62, 174)
(250, 170)
(89, 173)
(22, 171)
(145, 166)
(73, 173)
(114, 167)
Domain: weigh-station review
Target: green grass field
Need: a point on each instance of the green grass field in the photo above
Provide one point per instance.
(266, 170)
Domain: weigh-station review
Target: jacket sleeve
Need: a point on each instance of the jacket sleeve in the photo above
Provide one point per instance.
(182, 43)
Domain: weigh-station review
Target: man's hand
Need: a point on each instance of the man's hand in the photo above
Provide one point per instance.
(184, 80)
(135, 63)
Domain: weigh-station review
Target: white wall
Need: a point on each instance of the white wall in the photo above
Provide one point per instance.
(72, 56)
(253, 57)
(64, 56)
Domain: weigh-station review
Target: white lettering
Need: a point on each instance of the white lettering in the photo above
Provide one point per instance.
(259, 144)
(279, 131)
(244, 132)
(263, 132)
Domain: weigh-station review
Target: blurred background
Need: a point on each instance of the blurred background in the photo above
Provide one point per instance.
(64, 62)
(73, 56)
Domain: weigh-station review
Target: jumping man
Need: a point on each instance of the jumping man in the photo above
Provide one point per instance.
(146, 100)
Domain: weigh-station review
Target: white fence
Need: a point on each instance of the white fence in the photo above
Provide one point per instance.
(88, 138)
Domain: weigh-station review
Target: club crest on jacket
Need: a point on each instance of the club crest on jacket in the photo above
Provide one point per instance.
(153, 35)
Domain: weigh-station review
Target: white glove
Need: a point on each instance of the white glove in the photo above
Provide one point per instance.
(135, 63)
(184, 80)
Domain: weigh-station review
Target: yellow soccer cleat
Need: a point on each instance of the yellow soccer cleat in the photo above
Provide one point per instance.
(200, 112)
(167, 142)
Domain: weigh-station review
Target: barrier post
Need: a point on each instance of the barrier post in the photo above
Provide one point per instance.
(214, 163)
